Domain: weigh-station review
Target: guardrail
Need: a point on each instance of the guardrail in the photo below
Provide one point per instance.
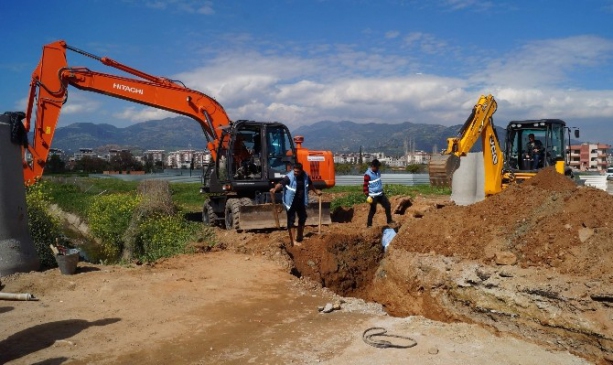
(596, 181)
(399, 179)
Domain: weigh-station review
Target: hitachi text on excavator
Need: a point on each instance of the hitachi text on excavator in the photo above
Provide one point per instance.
(247, 157)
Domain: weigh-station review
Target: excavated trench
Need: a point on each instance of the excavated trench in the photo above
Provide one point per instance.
(355, 264)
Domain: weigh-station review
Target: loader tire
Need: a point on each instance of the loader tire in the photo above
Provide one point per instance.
(209, 217)
(233, 214)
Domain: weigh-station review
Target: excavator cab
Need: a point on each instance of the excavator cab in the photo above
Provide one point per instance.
(253, 157)
(535, 144)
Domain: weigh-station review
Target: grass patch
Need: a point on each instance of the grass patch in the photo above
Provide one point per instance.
(187, 196)
(354, 194)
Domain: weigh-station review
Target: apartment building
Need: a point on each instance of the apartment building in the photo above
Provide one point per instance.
(182, 159)
(590, 156)
(84, 152)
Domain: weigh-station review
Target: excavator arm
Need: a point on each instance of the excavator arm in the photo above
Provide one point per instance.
(49, 91)
(478, 125)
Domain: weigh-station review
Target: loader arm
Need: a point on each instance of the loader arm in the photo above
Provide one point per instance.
(479, 124)
(49, 91)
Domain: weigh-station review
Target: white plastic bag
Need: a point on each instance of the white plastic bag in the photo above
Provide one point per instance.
(388, 236)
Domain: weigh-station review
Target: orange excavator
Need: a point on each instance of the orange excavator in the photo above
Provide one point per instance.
(247, 157)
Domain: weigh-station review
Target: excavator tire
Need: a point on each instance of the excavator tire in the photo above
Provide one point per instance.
(209, 217)
(233, 213)
(441, 169)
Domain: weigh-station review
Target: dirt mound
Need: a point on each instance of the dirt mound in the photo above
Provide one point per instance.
(550, 179)
(547, 221)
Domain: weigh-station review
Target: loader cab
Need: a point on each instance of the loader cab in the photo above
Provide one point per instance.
(548, 135)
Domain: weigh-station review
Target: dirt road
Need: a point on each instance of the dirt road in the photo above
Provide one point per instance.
(223, 308)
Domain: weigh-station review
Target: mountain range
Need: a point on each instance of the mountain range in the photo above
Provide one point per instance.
(180, 132)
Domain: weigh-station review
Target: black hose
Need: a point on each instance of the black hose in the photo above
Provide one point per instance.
(383, 344)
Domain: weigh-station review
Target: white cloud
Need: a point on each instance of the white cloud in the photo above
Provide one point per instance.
(142, 114)
(392, 34)
(364, 87)
(185, 6)
(546, 62)
(427, 43)
(475, 5)
(338, 82)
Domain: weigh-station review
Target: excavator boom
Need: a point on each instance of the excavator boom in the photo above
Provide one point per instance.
(49, 91)
(479, 124)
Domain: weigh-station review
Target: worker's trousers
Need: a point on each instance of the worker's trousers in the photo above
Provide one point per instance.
(381, 199)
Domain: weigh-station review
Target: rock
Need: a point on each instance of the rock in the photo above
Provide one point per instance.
(505, 258)
(328, 308)
(433, 350)
(63, 343)
(337, 305)
(483, 274)
(505, 274)
(585, 234)
(320, 308)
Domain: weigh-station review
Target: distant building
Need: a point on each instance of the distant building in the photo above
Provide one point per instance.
(84, 152)
(114, 152)
(589, 156)
(418, 157)
(354, 157)
(182, 159)
(56, 152)
(154, 155)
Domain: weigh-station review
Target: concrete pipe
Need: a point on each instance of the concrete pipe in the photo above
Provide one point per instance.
(464, 182)
(17, 251)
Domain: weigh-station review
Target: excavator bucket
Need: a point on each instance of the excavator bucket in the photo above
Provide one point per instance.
(441, 169)
(262, 216)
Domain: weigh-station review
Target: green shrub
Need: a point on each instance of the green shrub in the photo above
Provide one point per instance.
(44, 228)
(108, 218)
(165, 236)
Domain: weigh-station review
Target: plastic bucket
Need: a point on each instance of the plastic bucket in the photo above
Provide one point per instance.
(68, 262)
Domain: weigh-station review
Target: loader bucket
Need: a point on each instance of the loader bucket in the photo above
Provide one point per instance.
(441, 169)
(263, 216)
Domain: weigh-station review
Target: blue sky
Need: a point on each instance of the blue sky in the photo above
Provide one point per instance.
(304, 61)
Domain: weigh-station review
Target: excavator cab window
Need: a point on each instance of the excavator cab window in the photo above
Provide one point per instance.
(247, 158)
(535, 145)
(280, 151)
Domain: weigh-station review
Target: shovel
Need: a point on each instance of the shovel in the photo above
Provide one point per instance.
(276, 215)
(275, 212)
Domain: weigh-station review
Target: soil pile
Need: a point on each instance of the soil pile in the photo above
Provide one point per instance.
(547, 221)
